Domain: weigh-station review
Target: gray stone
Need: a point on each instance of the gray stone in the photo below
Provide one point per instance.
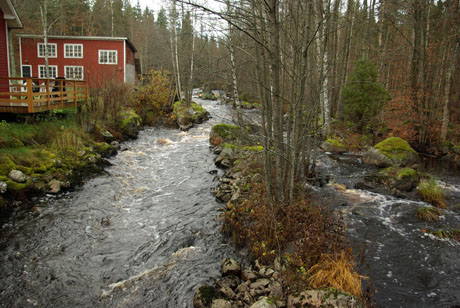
(115, 144)
(320, 298)
(248, 275)
(230, 267)
(17, 176)
(376, 158)
(332, 147)
(266, 272)
(264, 302)
(227, 292)
(55, 186)
(276, 290)
(108, 137)
(228, 281)
(3, 187)
(221, 303)
(260, 283)
(242, 287)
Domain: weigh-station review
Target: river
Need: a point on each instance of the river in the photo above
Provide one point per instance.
(143, 234)
(146, 233)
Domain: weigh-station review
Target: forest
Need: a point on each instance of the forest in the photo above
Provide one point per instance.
(304, 61)
(356, 74)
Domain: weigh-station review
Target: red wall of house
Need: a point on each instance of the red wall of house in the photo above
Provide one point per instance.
(3, 54)
(97, 74)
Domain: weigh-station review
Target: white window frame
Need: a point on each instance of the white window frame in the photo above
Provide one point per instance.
(101, 51)
(72, 46)
(49, 55)
(74, 66)
(50, 67)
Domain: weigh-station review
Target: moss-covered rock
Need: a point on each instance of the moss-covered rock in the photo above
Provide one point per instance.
(104, 149)
(130, 123)
(224, 133)
(392, 151)
(188, 115)
(399, 182)
(333, 146)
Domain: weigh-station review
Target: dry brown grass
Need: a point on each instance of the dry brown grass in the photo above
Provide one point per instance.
(429, 213)
(432, 193)
(336, 271)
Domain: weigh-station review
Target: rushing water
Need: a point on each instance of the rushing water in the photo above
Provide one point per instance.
(409, 267)
(144, 234)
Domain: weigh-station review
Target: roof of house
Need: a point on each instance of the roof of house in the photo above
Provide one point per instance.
(10, 15)
(69, 37)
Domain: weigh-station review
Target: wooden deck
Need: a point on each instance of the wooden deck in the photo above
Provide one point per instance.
(31, 95)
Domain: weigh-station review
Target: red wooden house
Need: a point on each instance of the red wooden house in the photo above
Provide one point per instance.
(96, 59)
(8, 20)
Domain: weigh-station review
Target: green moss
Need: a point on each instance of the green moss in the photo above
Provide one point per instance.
(405, 173)
(129, 117)
(246, 188)
(256, 148)
(335, 143)
(227, 132)
(207, 294)
(395, 148)
(15, 188)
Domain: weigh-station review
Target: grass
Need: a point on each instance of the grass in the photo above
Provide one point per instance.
(336, 271)
(428, 213)
(446, 234)
(432, 193)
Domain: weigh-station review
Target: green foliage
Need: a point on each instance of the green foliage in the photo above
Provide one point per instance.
(364, 97)
(153, 98)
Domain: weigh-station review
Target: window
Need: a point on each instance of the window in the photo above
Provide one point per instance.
(52, 71)
(52, 50)
(73, 51)
(73, 72)
(108, 57)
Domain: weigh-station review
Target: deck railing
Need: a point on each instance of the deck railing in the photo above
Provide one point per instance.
(30, 95)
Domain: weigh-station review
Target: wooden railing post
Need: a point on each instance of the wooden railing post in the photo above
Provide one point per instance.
(61, 91)
(30, 93)
(86, 89)
(75, 93)
(47, 84)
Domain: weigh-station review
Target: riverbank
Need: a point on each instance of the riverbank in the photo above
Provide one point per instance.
(52, 153)
(304, 237)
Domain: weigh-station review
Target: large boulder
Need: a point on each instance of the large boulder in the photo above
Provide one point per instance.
(391, 152)
(130, 124)
(333, 146)
(221, 133)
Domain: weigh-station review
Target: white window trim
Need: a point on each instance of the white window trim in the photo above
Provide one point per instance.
(40, 66)
(31, 74)
(38, 50)
(107, 50)
(73, 57)
(74, 66)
